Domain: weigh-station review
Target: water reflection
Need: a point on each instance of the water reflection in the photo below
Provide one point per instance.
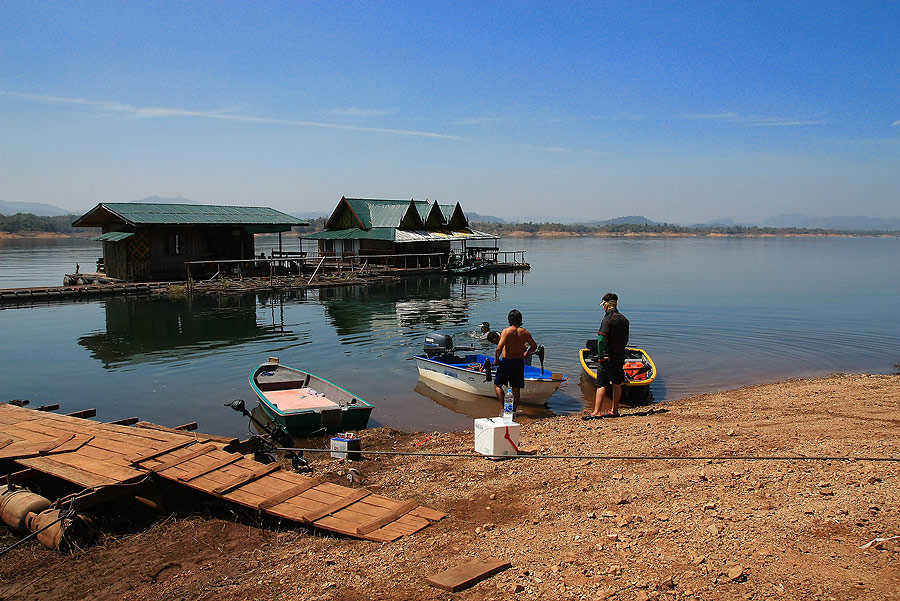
(141, 329)
(434, 302)
(759, 319)
(471, 405)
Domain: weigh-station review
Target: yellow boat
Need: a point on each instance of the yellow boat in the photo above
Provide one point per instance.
(640, 372)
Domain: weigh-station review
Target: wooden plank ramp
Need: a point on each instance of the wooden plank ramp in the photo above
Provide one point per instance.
(95, 454)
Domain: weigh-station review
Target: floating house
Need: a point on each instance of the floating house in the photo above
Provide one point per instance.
(153, 241)
(384, 228)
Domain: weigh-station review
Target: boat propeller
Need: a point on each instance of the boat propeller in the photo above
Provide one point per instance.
(278, 434)
(486, 367)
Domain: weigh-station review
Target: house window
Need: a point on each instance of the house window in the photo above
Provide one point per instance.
(173, 244)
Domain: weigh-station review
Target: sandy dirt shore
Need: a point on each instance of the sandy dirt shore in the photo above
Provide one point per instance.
(706, 526)
(31, 235)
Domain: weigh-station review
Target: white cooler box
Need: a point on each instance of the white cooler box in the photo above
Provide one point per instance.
(493, 436)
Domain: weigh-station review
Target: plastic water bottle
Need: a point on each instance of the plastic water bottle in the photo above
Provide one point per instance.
(508, 406)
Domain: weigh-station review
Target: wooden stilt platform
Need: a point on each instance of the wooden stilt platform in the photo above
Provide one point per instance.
(103, 456)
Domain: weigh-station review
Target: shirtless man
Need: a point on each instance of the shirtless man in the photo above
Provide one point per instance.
(515, 344)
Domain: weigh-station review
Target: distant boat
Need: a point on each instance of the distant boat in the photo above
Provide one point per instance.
(304, 403)
(470, 269)
(640, 372)
(472, 373)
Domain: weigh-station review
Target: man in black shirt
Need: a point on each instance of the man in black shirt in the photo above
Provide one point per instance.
(612, 338)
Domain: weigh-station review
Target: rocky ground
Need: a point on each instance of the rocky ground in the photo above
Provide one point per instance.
(718, 525)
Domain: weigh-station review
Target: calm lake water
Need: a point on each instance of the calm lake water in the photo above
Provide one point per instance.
(713, 313)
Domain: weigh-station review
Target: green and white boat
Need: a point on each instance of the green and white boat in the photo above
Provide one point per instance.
(304, 403)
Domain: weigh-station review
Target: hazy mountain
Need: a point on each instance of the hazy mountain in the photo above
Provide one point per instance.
(722, 223)
(631, 219)
(35, 208)
(858, 223)
(475, 217)
(311, 214)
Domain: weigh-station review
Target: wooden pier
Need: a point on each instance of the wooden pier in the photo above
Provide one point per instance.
(286, 271)
(78, 291)
(105, 458)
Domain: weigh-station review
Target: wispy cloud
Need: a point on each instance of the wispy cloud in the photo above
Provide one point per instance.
(547, 148)
(106, 108)
(896, 122)
(480, 121)
(879, 142)
(353, 111)
(752, 120)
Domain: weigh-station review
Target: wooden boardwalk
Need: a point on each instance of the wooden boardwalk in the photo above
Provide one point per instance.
(97, 455)
(77, 292)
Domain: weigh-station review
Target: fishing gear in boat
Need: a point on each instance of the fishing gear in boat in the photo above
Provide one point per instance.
(279, 437)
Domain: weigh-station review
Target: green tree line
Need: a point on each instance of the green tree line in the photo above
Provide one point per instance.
(28, 222)
(62, 224)
(661, 228)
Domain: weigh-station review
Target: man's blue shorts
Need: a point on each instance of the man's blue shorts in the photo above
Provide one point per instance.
(511, 372)
(611, 371)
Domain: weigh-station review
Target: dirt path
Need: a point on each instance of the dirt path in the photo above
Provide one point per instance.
(572, 528)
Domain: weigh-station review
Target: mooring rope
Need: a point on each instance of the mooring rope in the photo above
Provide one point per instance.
(606, 457)
(68, 512)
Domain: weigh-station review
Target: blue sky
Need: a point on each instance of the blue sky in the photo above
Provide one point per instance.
(679, 111)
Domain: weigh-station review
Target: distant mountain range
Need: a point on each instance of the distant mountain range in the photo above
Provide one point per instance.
(311, 214)
(35, 208)
(857, 224)
(46, 210)
(476, 217)
(840, 223)
(854, 224)
(631, 219)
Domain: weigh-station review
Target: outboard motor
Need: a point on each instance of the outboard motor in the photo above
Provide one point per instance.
(437, 345)
(540, 354)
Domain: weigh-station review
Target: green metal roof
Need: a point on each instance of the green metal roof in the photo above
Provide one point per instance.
(140, 213)
(384, 213)
(447, 211)
(406, 215)
(355, 233)
(400, 236)
(112, 236)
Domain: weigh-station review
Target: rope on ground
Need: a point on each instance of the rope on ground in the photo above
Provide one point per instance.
(63, 515)
(605, 457)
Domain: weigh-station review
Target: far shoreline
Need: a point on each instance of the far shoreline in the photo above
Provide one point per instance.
(37, 235)
(33, 235)
(552, 234)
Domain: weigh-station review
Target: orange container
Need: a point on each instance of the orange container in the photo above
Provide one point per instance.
(16, 504)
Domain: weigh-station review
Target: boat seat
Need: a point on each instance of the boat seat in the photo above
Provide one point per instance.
(299, 399)
(286, 385)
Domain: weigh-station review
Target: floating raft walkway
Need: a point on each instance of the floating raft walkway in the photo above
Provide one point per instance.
(78, 291)
(104, 456)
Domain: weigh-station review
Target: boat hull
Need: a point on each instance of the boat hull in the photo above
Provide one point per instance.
(303, 403)
(634, 391)
(460, 376)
